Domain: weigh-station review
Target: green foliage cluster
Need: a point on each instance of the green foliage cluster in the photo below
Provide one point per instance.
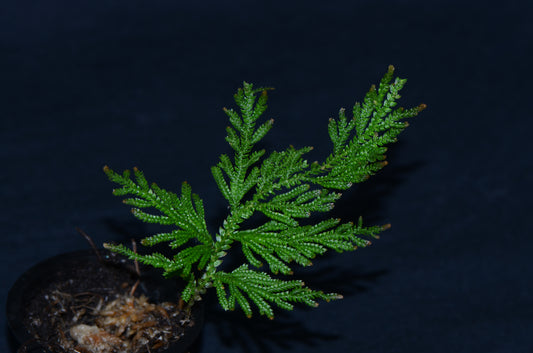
(283, 187)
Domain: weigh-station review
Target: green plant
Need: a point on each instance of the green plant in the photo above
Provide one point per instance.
(284, 188)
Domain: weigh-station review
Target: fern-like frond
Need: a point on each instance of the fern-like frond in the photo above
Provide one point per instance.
(156, 260)
(242, 136)
(182, 263)
(280, 244)
(245, 285)
(185, 212)
(359, 144)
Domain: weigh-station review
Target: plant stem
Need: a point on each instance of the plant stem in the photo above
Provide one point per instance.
(222, 243)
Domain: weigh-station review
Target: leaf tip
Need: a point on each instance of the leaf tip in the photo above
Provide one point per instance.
(422, 107)
(386, 226)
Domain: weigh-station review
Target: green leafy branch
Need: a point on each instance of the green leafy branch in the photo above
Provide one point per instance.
(261, 289)
(280, 244)
(284, 188)
(242, 137)
(185, 212)
(359, 143)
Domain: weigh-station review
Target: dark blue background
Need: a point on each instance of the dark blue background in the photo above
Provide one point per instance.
(125, 83)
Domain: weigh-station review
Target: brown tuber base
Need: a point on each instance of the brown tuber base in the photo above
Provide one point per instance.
(87, 306)
(90, 322)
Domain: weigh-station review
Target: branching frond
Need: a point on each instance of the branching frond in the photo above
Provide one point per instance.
(245, 285)
(242, 136)
(280, 244)
(283, 187)
(156, 260)
(359, 144)
(185, 212)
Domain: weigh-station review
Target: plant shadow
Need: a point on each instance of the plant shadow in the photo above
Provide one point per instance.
(260, 335)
